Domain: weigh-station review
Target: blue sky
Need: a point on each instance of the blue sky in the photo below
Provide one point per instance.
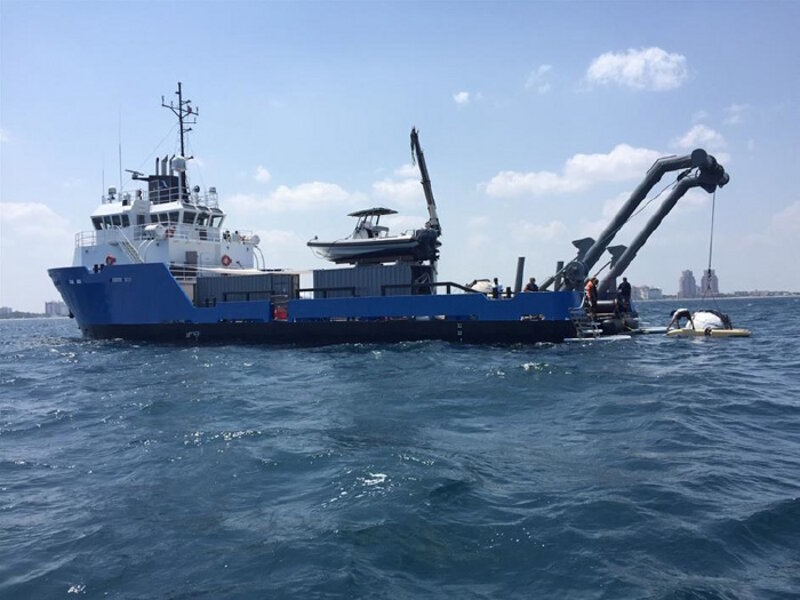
(537, 119)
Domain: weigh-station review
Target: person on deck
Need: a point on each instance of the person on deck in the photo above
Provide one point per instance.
(624, 290)
(497, 289)
(677, 315)
(531, 285)
(591, 295)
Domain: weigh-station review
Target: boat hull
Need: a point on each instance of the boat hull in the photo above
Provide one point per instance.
(145, 302)
(421, 246)
(708, 332)
(340, 332)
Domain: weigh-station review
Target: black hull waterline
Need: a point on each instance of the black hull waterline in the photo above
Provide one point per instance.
(342, 332)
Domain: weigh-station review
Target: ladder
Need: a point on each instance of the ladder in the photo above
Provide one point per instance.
(584, 326)
(128, 249)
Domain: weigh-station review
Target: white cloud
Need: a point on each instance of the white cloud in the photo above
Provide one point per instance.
(279, 238)
(512, 183)
(787, 221)
(406, 171)
(693, 201)
(478, 240)
(537, 232)
(622, 163)
(262, 175)
(735, 113)
(33, 238)
(651, 69)
(302, 197)
(538, 79)
(30, 220)
(580, 172)
(701, 135)
(403, 190)
(403, 193)
(461, 98)
(401, 223)
(700, 115)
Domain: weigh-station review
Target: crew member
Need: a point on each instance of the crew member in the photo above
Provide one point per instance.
(591, 295)
(625, 292)
(531, 285)
(677, 315)
(497, 289)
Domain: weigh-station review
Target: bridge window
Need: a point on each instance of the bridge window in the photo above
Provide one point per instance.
(115, 220)
(188, 217)
(125, 221)
(140, 219)
(97, 222)
(173, 217)
(216, 221)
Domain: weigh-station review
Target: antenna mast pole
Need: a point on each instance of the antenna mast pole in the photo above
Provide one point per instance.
(186, 116)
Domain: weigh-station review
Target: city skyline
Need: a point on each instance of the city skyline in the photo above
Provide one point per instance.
(537, 121)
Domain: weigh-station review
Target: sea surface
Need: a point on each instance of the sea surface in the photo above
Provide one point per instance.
(643, 468)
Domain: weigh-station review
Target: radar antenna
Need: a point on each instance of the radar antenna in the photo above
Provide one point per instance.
(186, 116)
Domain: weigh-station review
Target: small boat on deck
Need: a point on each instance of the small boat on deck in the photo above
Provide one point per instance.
(371, 242)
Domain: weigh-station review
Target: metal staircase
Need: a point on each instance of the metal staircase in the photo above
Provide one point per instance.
(128, 248)
(585, 327)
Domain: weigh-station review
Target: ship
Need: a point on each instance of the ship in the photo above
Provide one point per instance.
(160, 264)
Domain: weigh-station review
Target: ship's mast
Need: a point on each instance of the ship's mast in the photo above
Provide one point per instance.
(186, 116)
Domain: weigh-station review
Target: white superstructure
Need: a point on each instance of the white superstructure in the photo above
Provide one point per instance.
(167, 221)
(180, 230)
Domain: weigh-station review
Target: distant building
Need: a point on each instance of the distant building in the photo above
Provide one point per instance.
(5, 311)
(646, 292)
(709, 282)
(687, 285)
(55, 309)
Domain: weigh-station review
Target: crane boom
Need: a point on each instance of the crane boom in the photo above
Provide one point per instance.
(589, 251)
(418, 157)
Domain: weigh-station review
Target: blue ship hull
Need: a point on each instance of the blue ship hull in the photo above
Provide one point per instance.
(145, 302)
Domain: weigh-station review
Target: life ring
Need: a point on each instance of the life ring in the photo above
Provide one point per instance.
(226, 260)
(170, 231)
(110, 260)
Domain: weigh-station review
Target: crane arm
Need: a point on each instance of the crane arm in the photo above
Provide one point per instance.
(418, 157)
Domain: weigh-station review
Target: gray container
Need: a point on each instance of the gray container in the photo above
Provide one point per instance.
(246, 288)
(373, 280)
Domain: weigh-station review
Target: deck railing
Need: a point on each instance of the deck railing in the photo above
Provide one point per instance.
(178, 231)
(208, 199)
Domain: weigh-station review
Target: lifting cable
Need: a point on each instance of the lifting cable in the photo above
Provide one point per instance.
(707, 290)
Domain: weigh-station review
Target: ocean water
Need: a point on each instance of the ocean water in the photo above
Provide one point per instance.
(648, 468)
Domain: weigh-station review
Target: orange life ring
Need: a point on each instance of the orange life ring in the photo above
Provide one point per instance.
(226, 260)
(110, 260)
